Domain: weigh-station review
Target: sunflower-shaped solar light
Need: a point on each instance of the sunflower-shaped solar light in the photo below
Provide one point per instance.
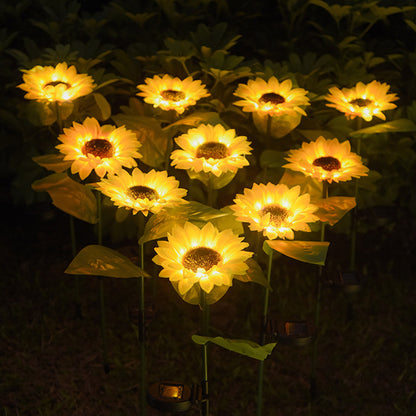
(143, 192)
(277, 107)
(60, 83)
(104, 149)
(363, 100)
(172, 93)
(275, 210)
(211, 154)
(201, 259)
(326, 160)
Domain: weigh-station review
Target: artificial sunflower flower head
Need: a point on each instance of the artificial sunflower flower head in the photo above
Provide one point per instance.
(275, 210)
(327, 160)
(170, 93)
(273, 102)
(211, 149)
(104, 149)
(204, 258)
(60, 83)
(143, 192)
(363, 100)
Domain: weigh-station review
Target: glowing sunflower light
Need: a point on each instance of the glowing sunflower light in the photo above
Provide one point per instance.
(271, 97)
(275, 210)
(104, 149)
(212, 149)
(204, 257)
(363, 100)
(60, 83)
(142, 192)
(172, 93)
(327, 160)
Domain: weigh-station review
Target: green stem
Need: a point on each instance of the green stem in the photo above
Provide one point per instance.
(142, 338)
(101, 289)
(211, 200)
(263, 335)
(74, 252)
(354, 212)
(58, 117)
(205, 332)
(313, 391)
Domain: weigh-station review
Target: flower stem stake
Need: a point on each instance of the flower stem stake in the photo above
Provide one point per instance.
(142, 340)
(103, 317)
(313, 390)
(354, 213)
(205, 332)
(263, 336)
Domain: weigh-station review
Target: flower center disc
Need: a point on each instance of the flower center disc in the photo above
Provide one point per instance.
(98, 147)
(214, 150)
(55, 83)
(271, 97)
(142, 192)
(201, 257)
(173, 95)
(361, 102)
(277, 214)
(327, 163)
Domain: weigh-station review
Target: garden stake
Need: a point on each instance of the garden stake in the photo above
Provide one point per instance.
(106, 365)
(205, 332)
(71, 222)
(142, 338)
(263, 335)
(354, 213)
(313, 388)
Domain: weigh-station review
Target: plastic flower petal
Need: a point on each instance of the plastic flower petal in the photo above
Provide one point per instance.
(204, 256)
(275, 210)
(104, 149)
(142, 192)
(60, 83)
(363, 100)
(271, 97)
(211, 149)
(172, 93)
(327, 160)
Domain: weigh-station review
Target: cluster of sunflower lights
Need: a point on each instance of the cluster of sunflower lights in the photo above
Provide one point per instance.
(199, 247)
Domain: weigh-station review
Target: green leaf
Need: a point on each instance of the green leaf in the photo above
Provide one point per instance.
(332, 209)
(400, 125)
(153, 139)
(313, 252)
(55, 163)
(69, 196)
(228, 221)
(254, 274)
(217, 182)
(307, 184)
(96, 260)
(206, 117)
(103, 105)
(272, 159)
(160, 224)
(241, 346)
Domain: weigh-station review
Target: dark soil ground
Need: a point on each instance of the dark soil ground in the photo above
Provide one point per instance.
(51, 349)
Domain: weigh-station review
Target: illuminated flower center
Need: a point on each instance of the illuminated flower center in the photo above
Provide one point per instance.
(327, 163)
(271, 97)
(142, 192)
(173, 95)
(212, 150)
(361, 102)
(55, 83)
(201, 258)
(277, 213)
(98, 147)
